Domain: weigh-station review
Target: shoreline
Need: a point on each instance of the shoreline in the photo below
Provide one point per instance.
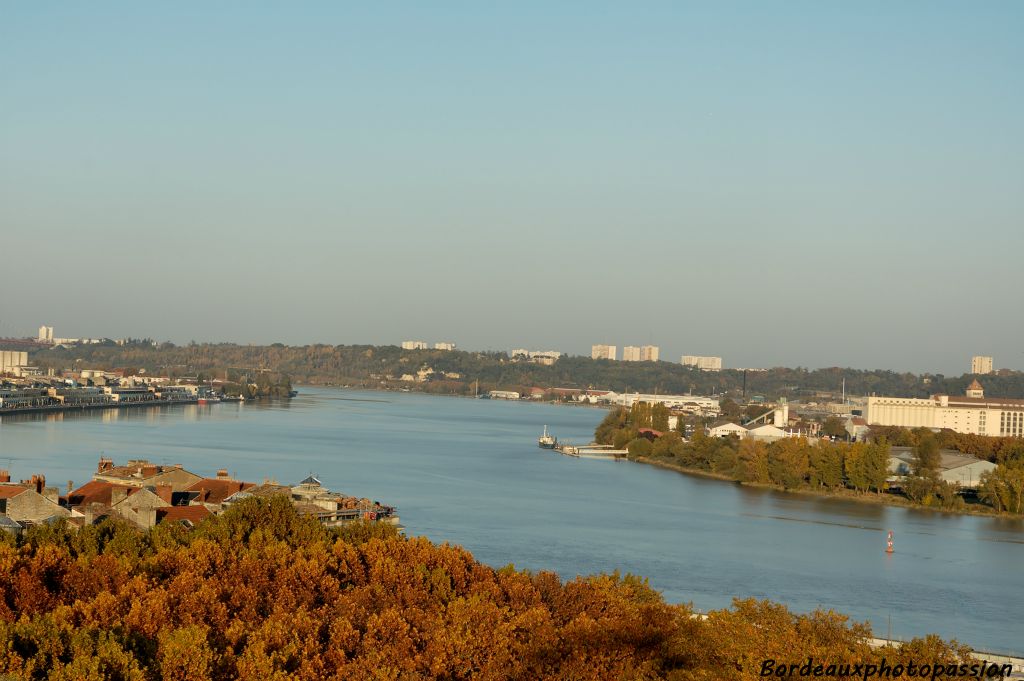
(845, 495)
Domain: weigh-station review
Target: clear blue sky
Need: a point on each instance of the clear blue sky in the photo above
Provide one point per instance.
(796, 183)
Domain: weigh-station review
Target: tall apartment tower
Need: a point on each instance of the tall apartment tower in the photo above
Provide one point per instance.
(649, 353)
(702, 363)
(603, 352)
(630, 353)
(45, 334)
(981, 365)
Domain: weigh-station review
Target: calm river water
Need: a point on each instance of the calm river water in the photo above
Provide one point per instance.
(469, 472)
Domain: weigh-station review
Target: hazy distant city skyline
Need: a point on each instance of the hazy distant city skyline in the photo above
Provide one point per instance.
(780, 185)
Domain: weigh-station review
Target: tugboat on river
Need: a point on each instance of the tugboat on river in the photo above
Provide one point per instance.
(546, 441)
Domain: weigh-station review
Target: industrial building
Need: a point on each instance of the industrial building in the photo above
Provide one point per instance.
(954, 467)
(11, 360)
(973, 413)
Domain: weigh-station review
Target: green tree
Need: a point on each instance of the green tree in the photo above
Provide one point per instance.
(752, 461)
(613, 421)
(641, 446)
(1003, 488)
(640, 415)
(876, 465)
(834, 427)
(855, 467)
(826, 465)
(788, 462)
(730, 410)
(659, 417)
(926, 456)
(668, 445)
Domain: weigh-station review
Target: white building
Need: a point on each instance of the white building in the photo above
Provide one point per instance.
(503, 395)
(444, 345)
(631, 353)
(974, 413)
(692, 404)
(981, 365)
(603, 352)
(545, 357)
(414, 345)
(645, 353)
(45, 334)
(702, 363)
(726, 429)
(766, 432)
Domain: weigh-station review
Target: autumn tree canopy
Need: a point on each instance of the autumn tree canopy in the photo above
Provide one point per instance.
(261, 593)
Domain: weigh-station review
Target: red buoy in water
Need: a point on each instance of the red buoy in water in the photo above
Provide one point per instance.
(888, 543)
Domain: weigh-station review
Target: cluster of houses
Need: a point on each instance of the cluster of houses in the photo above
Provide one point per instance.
(954, 467)
(147, 494)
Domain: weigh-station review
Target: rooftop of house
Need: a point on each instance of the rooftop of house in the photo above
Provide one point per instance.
(95, 492)
(267, 489)
(216, 490)
(10, 489)
(135, 469)
(192, 514)
(7, 523)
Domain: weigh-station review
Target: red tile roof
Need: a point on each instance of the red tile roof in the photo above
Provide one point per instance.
(216, 490)
(8, 491)
(192, 514)
(95, 492)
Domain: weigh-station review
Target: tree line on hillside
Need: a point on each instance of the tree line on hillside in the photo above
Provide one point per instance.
(368, 365)
(262, 593)
(794, 463)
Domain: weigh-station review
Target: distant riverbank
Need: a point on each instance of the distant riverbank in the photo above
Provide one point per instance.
(842, 493)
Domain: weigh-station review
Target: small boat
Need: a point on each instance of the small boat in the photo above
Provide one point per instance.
(546, 441)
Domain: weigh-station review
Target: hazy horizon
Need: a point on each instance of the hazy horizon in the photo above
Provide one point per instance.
(796, 184)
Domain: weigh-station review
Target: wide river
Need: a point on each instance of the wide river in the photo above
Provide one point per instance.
(469, 472)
